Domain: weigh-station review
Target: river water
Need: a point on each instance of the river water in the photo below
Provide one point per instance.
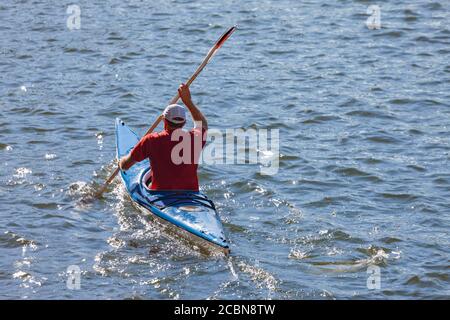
(363, 116)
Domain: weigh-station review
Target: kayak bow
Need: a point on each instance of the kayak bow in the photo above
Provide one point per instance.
(188, 213)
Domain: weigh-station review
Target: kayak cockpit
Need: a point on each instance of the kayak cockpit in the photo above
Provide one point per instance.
(146, 179)
(163, 199)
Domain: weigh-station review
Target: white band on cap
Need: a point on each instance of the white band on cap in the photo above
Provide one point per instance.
(175, 113)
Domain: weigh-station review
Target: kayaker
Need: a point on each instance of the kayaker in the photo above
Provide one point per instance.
(167, 173)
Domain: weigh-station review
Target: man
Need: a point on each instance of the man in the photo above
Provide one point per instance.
(166, 170)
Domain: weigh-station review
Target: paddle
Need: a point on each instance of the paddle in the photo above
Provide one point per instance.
(208, 57)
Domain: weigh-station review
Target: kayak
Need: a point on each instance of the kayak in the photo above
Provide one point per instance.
(189, 214)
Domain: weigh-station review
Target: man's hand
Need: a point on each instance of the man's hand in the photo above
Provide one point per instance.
(126, 162)
(185, 94)
(121, 161)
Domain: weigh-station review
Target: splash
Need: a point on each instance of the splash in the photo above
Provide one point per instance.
(20, 175)
(100, 140)
(380, 257)
(261, 277)
(78, 188)
(233, 272)
(297, 254)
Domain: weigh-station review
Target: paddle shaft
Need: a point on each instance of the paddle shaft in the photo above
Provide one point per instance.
(208, 57)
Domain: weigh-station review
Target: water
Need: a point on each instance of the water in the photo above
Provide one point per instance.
(364, 175)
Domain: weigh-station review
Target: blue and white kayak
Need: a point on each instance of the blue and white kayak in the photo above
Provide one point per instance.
(191, 214)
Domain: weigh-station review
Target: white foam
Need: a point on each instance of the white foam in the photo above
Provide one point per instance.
(22, 172)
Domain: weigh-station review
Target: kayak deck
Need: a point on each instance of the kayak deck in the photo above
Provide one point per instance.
(191, 212)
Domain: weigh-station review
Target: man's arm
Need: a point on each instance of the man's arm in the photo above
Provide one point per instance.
(126, 162)
(196, 114)
(141, 151)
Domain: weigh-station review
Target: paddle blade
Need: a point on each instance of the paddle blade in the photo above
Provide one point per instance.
(225, 36)
(222, 40)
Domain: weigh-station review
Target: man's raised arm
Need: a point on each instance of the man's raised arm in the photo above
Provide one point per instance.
(196, 114)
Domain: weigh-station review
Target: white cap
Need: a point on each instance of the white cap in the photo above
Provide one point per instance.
(175, 113)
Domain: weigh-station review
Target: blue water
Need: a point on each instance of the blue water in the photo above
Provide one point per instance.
(364, 178)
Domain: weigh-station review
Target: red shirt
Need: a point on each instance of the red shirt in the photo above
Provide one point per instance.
(173, 163)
